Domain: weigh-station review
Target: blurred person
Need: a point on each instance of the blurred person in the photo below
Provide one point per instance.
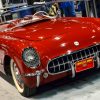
(91, 11)
(53, 9)
(98, 7)
(81, 7)
(67, 9)
(50, 8)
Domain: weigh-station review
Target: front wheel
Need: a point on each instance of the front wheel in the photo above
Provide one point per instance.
(21, 87)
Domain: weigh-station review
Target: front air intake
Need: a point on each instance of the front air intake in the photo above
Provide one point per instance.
(63, 63)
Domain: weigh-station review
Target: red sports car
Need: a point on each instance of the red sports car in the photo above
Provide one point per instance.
(39, 49)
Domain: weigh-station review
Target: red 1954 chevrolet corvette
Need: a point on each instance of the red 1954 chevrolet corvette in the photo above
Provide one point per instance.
(39, 49)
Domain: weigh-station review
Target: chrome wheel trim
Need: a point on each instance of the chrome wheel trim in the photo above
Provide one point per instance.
(16, 77)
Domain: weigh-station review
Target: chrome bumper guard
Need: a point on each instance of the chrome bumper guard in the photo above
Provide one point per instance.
(98, 59)
(37, 74)
(73, 70)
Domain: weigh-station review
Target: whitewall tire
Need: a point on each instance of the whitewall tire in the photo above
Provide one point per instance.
(21, 87)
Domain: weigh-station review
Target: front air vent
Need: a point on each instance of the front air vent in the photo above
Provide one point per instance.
(63, 63)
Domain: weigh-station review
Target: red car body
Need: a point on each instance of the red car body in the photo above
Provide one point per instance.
(53, 40)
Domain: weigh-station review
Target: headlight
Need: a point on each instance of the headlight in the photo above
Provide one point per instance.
(30, 57)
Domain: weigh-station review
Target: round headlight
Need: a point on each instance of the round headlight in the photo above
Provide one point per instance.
(30, 58)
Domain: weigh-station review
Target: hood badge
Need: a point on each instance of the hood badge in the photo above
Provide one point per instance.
(76, 43)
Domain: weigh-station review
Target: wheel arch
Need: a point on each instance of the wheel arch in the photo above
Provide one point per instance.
(7, 70)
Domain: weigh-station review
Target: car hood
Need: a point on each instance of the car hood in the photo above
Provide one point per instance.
(72, 28)
(58, 37)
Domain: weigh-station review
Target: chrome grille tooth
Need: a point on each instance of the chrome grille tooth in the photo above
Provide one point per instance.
(59, 64)
(93, 51)
(71, 57)
(89, 53)
(97, 48)
(54, 66)
(77, 56)
(74, 57)
(85, 53)
(64, 62)
(68, 59)
(81, 55)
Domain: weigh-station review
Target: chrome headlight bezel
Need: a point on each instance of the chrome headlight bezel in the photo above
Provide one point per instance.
(30, 57)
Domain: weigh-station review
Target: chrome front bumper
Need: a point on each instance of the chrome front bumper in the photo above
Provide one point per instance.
(38, 73)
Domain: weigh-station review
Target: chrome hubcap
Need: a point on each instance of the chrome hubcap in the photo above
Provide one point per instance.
(17, 75)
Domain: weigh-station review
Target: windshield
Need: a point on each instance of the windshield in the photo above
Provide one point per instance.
(38, 16)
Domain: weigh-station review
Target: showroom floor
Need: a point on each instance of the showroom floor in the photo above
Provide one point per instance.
(86, 87)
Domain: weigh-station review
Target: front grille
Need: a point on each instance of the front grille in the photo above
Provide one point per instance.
(63, 63)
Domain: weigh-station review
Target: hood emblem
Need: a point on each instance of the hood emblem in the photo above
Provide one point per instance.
(76, 43)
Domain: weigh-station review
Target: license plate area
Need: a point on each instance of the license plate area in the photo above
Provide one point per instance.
(83, 65)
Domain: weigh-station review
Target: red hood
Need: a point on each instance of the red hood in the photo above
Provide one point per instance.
(58, 37)
(72, 28)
